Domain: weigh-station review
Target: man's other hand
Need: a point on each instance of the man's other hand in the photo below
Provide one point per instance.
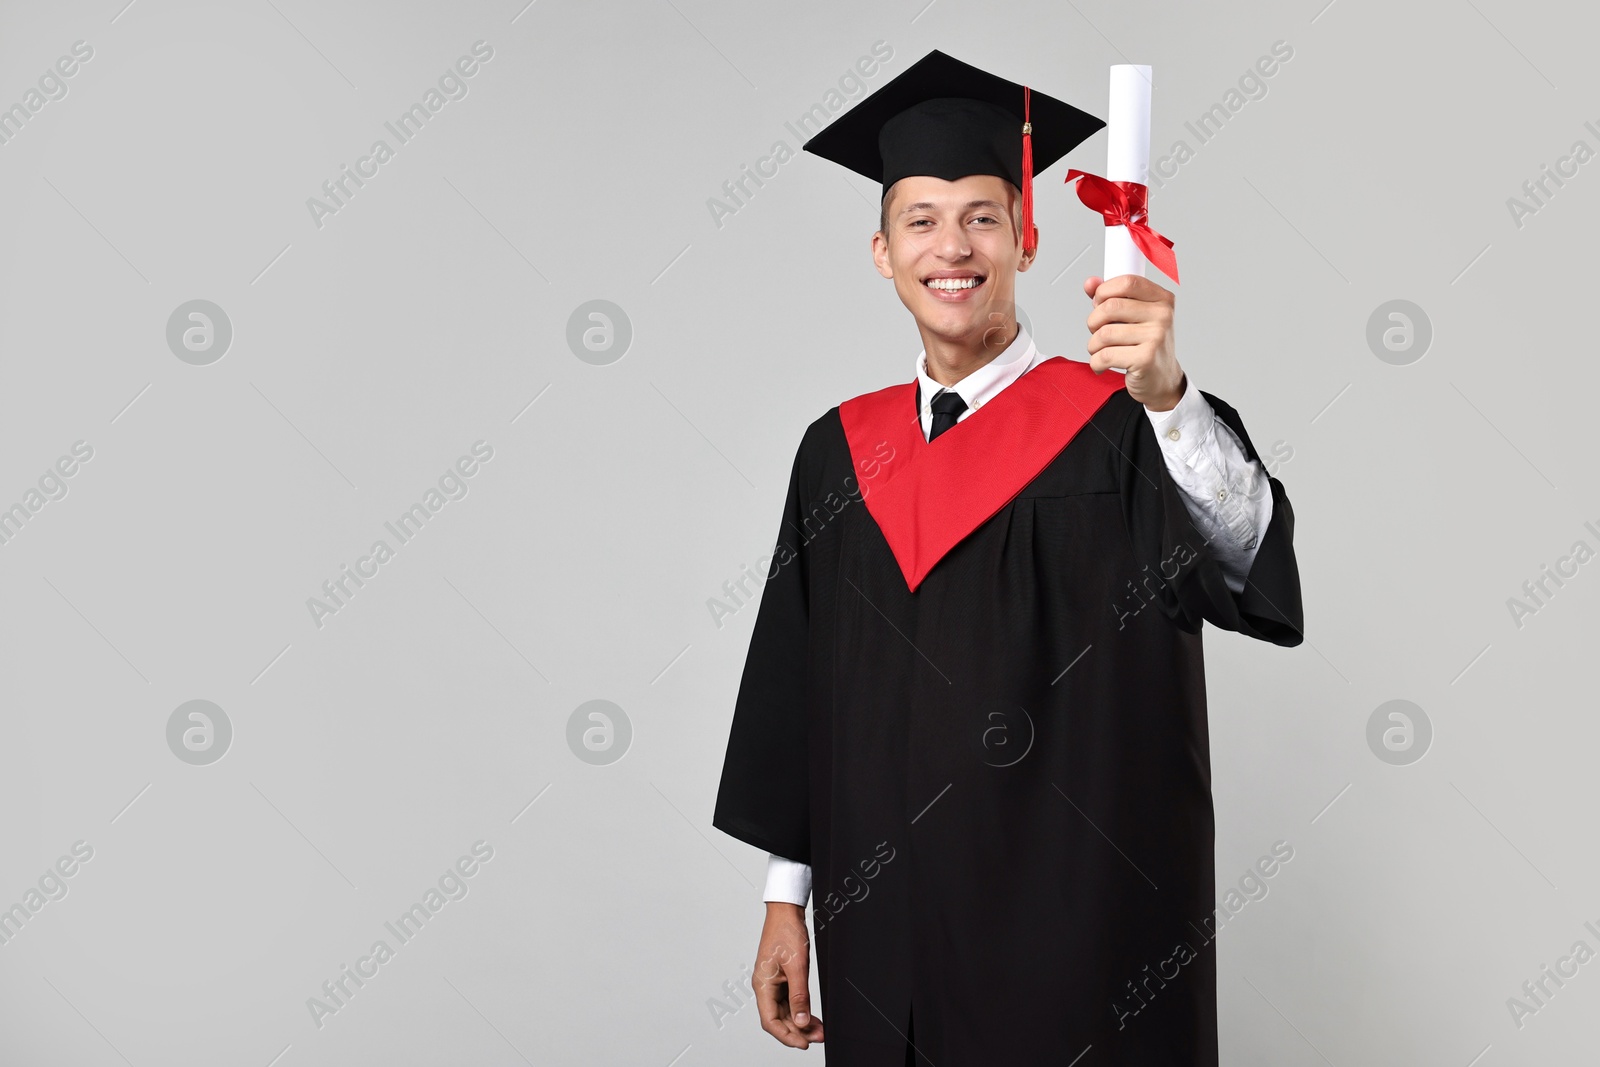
(781, 979)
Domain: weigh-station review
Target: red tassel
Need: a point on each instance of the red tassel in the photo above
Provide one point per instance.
(1028, 242)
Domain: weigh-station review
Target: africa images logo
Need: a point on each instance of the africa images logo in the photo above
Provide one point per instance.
(452, 885)
(1251, 886)
(453, 485)
(452, 85)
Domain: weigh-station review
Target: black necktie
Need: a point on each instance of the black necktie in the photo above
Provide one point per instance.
(946, 406)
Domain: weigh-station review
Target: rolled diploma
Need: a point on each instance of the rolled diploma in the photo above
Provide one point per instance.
(1127, 156)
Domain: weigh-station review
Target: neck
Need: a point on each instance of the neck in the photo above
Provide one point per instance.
(950, 361)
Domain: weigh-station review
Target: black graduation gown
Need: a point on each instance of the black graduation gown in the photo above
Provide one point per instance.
(974, 702)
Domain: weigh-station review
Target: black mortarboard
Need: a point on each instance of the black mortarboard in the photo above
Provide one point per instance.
(948, 119)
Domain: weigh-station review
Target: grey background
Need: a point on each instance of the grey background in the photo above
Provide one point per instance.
(370, 353)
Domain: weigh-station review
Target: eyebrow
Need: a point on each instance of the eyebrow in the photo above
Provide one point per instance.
(923, 204)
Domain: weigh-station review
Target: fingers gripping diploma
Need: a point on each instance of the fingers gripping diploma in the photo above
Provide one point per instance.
(1130, 328)
(782, 977)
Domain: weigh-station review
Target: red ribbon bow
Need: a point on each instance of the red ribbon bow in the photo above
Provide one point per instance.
(1124, 204)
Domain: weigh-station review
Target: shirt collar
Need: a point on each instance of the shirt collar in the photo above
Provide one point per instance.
(983, 384)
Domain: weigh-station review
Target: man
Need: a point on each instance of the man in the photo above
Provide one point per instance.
(973, 711)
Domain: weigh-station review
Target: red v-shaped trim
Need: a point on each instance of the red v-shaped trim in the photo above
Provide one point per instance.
(931, 494)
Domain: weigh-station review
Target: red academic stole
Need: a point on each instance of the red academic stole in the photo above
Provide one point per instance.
(932, 494)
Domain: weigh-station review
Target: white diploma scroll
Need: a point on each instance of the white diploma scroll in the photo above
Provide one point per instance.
(1127, 156)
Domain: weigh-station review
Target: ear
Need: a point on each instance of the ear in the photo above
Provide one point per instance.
(880, 254)
(1029, 255)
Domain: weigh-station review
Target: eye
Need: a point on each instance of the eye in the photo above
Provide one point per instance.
(982, 218)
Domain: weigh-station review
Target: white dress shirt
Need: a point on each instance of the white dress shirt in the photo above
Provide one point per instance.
(1228, 497)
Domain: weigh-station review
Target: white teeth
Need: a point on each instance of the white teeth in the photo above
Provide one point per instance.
(951, 283)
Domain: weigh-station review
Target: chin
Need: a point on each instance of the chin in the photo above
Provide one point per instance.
(954, 331)
(955, 322)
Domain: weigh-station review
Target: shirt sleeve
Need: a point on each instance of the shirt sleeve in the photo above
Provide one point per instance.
(787, 880)
(1226, 493)
(1182, 573)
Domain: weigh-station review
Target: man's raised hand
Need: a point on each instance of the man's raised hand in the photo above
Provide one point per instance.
(1130, 327)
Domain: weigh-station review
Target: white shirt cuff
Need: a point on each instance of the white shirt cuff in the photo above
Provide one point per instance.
(787, 881)
(1182, 429)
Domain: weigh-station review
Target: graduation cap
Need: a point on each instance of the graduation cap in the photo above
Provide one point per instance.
(948, 119)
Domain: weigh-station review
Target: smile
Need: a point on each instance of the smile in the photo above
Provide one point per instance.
(959, 288)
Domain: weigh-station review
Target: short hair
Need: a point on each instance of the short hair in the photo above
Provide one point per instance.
(883, 210)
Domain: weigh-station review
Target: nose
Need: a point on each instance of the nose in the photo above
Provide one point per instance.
(953, 243)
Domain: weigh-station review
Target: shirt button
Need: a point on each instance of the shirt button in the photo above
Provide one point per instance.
(1222, 494)
(1173, 434)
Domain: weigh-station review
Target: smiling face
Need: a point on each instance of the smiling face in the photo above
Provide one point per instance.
(953, 251)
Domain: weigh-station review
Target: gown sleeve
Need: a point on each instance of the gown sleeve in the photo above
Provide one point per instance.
(764, 797)
(1191, 586)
